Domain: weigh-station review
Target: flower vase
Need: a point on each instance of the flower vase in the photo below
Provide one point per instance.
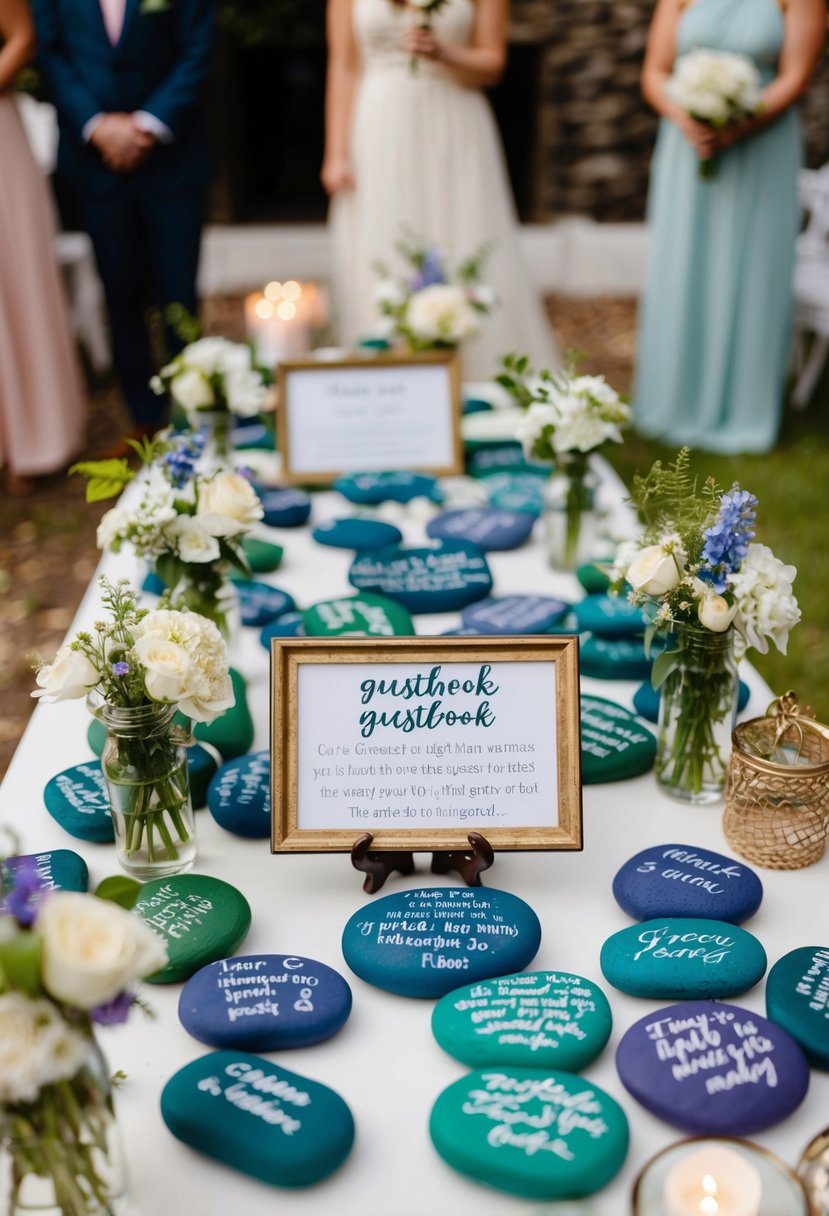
(61, 1153)
(215, 426)
(205, 588)
(570, 518)
(144, 763)
(697, 711)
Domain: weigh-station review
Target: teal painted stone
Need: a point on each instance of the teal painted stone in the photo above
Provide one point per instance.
(616, 659)
(291, 625)
(592, 578)
(200, 918)
(609, 616)
(153, 583)
(797, 998)
(239, 797)
(486, 456)
(490, 529)
(614, 744)
(77, 799)
(201, 765)
(263, 557)
(539, 1134)
(260, 602)
(57, 870)
(515, 614)
(284, 508)
(424, 942)
(258, 1118)
(517, 491)
(539, 1019)
(359, 534)
(369, 489)
(441, 579)
(476, 405)
(232, 733)
(364, 615)
(646, 700)
(255, 437)
(680, 958)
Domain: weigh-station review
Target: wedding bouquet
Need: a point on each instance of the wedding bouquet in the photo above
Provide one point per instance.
(426, 10)
(433, 309)
(68, 961)
(715, 88)
(214, 377)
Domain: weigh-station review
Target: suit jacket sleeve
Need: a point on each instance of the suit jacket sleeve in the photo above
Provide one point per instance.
(70, 93)
(177, 96)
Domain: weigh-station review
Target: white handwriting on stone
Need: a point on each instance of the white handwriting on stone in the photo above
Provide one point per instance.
(661, 943)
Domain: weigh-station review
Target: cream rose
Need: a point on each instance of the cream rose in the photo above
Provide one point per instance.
(71, 675)
(441, 313)
(653, 571)
(166, 668)
(195, 544)
(715, 613)
(192, 390)
(93, 949)
(228, 505)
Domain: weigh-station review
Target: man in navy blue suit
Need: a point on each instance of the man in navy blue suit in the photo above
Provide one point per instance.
(126, 77)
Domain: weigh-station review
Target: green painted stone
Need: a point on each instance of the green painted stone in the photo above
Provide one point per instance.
(364, 615)
(543, 1135)
(201, 919)
(614, 744)
(258, 1118)
(592, 578)
(262, 556)
(232, 733)
(538, 1019)
(797, 998)
(676, 958)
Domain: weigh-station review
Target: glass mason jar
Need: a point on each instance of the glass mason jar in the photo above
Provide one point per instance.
(697, 711)
(570, 518)
(61, 1154)
(204, 587)
(144, 763)
(215, 426)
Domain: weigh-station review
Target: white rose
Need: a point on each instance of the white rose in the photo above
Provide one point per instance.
(166, 667)
(37, 1048)
(244, 392)
(112, 527)
(441, 313)
(68, 677)
(715, 613)
(228, 505)
(653, 571)
(192, 390)
(93, 949)
(194, 542)
(206, 355)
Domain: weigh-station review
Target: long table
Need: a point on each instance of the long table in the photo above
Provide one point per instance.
(385, 1062)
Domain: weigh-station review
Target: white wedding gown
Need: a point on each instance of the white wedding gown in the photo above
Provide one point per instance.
(427, 155)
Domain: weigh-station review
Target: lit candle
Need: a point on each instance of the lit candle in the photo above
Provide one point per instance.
(278, 320)
(713, 1181)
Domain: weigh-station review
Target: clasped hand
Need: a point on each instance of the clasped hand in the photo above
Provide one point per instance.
(421, 41)
(123, 145)
(708, 141)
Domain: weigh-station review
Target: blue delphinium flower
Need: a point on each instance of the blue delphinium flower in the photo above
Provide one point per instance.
(430, 271)
(181, 459)
(26, 895)
(728, 538)
(114, 1012)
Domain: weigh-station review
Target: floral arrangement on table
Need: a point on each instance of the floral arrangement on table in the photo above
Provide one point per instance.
(716, 593)
(68, 962)
(716, 88)
(432, 308)
(137, 669)
(426, 10)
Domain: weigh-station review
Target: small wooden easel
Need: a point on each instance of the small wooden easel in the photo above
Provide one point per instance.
(469, 863)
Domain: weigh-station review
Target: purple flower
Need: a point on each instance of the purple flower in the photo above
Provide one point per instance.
(27, 892)
(430, 270)
(121, 668)
(727, 539)
(114, 1012)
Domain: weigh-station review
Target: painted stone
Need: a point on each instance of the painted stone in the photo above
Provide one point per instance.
(258, 1118)
(678, 880)
(682, 958)
(609, 616)
(264, 1002)
(518, 500)
(797, 998)
(539, 1134)
(539, 1019)
(239, 797)
(253, 436)
(359, 534)
(260, 602)
(515, 614)
(56, 869)
(200, 918)
(263, 557)
(487, 456)
(153, 583)
(442, 579)
(615, 659)
(400, 486)
(232, 733)
(424, 942)
(517, 491)
(284, 508)
(364, 615)
(77, 799)
(201, 764)
(712, 1068)
(593, 578)
(476, 405)
(614, 744)
(291, 625)
(646, 700)
(487, 527)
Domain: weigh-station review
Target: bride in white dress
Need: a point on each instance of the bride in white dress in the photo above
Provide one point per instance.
(421, 149)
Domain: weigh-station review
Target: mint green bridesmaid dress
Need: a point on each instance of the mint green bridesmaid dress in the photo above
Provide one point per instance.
(715, 316)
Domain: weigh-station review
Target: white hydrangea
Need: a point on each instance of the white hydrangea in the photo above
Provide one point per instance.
(583, 412)
(37, 1048)
(766, 605)
(187, 650)
(441, 313)
(245, 391)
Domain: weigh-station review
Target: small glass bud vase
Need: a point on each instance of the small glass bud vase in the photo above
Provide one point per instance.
(215, 426)
(205, 588)
(697, 711)
(144, 762)
(570, 518)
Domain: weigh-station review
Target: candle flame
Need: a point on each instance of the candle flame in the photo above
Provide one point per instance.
(709, 1184)
(273, 291)
(285, 310)
(263, 308)
(291, 290)
(709, 1205)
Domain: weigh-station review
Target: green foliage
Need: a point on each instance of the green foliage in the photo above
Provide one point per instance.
(105, 478)
(119, 889)
(182, 322)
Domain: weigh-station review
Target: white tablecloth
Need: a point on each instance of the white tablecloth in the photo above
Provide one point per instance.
(385, 1062)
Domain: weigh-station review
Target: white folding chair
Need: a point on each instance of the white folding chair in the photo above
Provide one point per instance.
(811, 285)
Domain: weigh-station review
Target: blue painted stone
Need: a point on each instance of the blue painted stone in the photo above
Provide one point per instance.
(201, 767)
(284, 508)
(153, 584)
(529, 1132)
(615, 659)
(264, 1002)
(365, 615)
(594, 580)
(290, 625)
(797, 998)
(646, 700)
(541, 1019)
(77, 799)
(399, 486)
(442, 579)
(614, 744)
(359, 534)
(57, 870)
(239, 797)
(427, 941)
(713, 1069)
(200, 918)
(679, 958)
(488, 528)
(258, 1118)
(678, 880)
(260, 603)
(609, 616)
(515, 614)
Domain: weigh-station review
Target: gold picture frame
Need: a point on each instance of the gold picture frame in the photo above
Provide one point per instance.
(368, 367)
(291, 803)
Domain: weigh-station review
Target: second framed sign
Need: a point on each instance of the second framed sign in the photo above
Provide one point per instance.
(421, 740)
